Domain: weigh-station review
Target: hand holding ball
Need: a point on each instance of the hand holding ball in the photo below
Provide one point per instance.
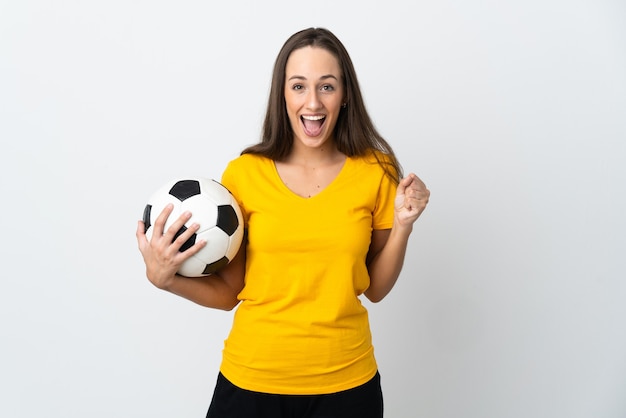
(214, 208)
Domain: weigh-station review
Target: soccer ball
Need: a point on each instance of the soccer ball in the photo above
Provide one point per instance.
(214, 208)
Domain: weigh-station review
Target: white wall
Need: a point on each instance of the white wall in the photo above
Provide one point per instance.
(511, 303)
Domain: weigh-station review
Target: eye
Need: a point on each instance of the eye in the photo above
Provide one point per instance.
(297, 87)
(327, 87)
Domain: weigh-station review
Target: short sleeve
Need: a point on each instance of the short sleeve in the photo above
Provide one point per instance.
(229, 180)
(385, 201)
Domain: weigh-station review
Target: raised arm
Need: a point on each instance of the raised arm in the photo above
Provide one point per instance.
(388, 247)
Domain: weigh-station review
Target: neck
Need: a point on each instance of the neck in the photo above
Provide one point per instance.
(307, 156)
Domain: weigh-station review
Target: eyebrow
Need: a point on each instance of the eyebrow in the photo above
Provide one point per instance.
(301, 77)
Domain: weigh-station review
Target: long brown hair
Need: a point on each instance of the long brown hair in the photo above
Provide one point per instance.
(355, 134)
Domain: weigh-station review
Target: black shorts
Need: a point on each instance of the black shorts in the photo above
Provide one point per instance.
(230, 401)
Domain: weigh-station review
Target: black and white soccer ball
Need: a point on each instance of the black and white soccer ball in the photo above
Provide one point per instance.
(214, 208)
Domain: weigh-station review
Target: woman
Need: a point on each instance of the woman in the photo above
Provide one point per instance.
(328, 217)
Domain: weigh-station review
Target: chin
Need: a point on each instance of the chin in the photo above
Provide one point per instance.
(314, 142)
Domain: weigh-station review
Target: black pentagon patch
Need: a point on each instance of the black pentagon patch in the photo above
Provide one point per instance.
(189, 243)
(227, 219)
(215, 266)
(146, 218)
(184, 189)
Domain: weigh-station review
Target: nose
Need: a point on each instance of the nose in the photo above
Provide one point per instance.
(312, 101)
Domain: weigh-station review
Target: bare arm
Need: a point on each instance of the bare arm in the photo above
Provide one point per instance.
(388, 247)
(163, 259)
(219, 290)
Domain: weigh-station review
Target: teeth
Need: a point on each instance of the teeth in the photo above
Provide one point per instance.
(313, 117)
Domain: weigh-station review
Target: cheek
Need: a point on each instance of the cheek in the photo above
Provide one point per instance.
(291, 107)
(293, 114)
(294, 120)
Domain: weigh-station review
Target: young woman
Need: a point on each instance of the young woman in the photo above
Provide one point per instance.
(328, 216)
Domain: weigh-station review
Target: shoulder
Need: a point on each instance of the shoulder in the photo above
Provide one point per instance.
(372, 156)
(372, 160)
(376, 169)
(247, 161)
(247, 169)
(387, 163)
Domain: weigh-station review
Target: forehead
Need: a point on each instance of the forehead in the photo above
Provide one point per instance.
(312, 61)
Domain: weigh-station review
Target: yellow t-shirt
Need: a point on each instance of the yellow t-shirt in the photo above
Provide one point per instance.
(300, 327)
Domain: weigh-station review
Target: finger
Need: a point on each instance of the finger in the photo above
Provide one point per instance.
(159, 223)
(414, 207)
(183, 235)
(417, 182)
(174, 229)
(418, 188)
(140, 230)
(411, 202)
(408, 180)
(403, 185)
(141, 234)
(188, 252)
(418, 192)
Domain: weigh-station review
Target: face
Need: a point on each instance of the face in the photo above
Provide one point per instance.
(314, 94)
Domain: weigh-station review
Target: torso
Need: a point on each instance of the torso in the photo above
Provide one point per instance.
(301, 327)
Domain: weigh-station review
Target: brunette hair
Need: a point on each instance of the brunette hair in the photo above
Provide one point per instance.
(355, 134)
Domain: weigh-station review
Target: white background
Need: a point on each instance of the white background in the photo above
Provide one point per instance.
(512, 300)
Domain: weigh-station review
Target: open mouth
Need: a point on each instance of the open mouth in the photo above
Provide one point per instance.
(313, 124)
